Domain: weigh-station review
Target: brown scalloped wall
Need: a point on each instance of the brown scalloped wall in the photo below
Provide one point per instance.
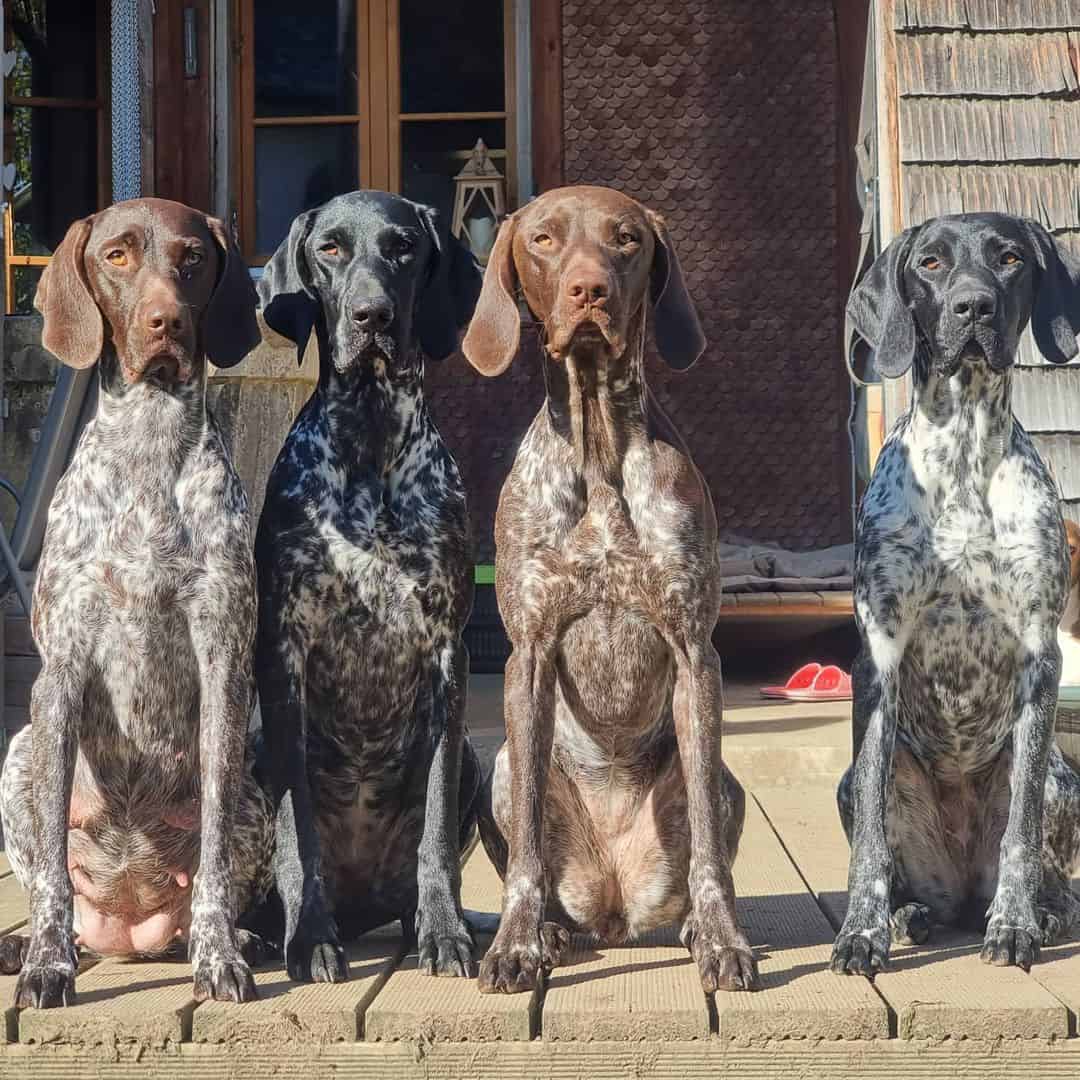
(721, 114)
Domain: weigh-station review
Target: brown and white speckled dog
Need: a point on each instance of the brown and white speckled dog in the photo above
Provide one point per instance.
(612, 811)
(126, 808)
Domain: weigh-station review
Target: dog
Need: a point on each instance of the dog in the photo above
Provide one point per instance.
(959, 807)
(365, 584)
(131, 773)
(611, 811)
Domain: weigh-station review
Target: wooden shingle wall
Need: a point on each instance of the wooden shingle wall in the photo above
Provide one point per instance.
(989, 119)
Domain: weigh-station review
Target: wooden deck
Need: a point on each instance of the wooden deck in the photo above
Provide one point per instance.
(625, 1012)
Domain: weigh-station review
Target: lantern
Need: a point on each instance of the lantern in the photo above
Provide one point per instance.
(479, 202)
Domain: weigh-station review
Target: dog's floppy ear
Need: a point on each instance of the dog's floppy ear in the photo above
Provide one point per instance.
(879, 310)
(230, 329)
(491, 341)
(1055, 313)
(289, 305)
(73, 329)
(676, 327)
(452, 288)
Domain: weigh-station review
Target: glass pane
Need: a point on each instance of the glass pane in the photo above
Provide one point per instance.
(451, 56)
(55, 43)
(433, 152)
(305, 57)
(26, 283)
(56, 181)
(297, 168)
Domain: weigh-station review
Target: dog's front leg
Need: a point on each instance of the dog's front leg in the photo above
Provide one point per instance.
(226, 679)
(47, 978)
(514, 961)
(715, 805)
(443, 937)
(1013, 934)
(862, 946)
(313, 952)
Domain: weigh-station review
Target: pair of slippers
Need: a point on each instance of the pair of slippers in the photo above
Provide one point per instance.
(813, 682)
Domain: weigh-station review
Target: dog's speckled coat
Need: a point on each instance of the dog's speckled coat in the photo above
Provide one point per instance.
(131, 773)
(365, 583)
(611, 810)
(959, 807)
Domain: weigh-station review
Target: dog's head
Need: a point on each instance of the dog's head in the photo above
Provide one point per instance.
(962, 288)
(585, 259)
(163, 282)
(376, 272)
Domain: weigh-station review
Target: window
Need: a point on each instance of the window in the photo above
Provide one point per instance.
(55, 131)
(392, 94)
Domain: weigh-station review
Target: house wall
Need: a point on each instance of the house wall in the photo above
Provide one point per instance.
(989, 119)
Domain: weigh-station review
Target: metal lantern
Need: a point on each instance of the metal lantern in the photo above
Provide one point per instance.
(479, 202)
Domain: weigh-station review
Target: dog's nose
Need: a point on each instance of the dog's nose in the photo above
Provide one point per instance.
(588, 288)
(978, 305)
(375, 314)
(161, 319)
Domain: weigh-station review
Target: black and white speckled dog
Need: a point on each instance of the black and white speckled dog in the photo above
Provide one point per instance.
(365, 581)
(131, 772)
(960, 808)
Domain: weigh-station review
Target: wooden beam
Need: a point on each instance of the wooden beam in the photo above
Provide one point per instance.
(547, 118)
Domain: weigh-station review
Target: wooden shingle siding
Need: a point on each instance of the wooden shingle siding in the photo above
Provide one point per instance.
(988, 15)
(1048, 193)
(1047, 399)
(1018, 129)
(1063, 454)
(971, 65)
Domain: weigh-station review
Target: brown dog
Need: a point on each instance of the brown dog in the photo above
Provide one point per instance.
(611, 810)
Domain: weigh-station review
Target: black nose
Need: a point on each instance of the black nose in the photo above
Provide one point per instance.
(977, 305)
(375, 314)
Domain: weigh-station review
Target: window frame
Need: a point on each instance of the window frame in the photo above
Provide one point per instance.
(14, 260)
(378, 118)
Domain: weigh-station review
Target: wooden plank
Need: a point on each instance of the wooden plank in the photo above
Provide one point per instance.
(698, 1060)
(960, 130)
(419, 1008)
(14, 904)
(1044, 398)
(937, 992)
(121, 1004)
(800, 998)
(986, 14)
(1061, 454)
(1048, 193)
(649, 990)
(317, 1013)
(9, 1030)
(756, 599)
(986, 65)
(547, 94)
(5, 866)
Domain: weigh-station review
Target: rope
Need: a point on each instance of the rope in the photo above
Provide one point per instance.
(126, 126)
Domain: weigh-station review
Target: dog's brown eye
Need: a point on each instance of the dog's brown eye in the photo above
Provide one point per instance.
(1010, 258)
(931, 262)
(117, 257)
(330, 249)
(626, 238)
(542, 239)
(193, 258)
(403, 245)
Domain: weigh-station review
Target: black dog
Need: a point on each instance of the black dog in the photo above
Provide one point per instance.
(365, 584)
(960, 808)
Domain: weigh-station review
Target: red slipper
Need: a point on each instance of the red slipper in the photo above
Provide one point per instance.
(803, 679)
(830, 684)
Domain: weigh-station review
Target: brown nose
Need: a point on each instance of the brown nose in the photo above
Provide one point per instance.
(163, 318)
(589, 285)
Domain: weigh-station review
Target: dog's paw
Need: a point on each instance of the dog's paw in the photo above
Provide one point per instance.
(511, 966)
(13, 949)
(861, 950)
(444, 943)
(554, 939)
(724, 962)
(1006, 945)
(45, 986)
(224, 978)
(910, 924)
(255, 949)
(314, 953)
